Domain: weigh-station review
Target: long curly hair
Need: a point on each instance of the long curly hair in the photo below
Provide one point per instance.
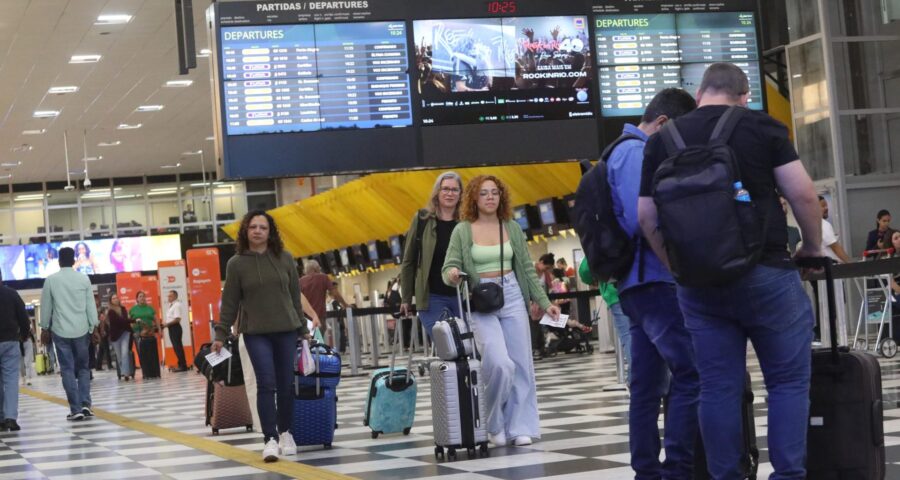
(468, 206)
(274, 243)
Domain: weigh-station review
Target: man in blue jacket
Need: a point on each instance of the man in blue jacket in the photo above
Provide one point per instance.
(69, 311)
(14, 326)
(660, 343)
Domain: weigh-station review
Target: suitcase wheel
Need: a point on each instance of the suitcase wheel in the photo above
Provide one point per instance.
(439, 453)
(407, 430)
(451, 454)
(888, 348)
(374, 434)
(327, 446)
(471, 452)
(249, 428)
(590, 349)
(483, 450)
(215, 431)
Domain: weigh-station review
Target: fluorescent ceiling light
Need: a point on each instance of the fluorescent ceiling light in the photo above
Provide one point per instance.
(110, 144)
(204, 52)
(32, 196)
(112, 19)
(62, 90)
(40, 131)
(126, 196)
(22, 148)
(85, 58)
(150, 108)
(126, 126)
(92, 159)
(164, 189)
(171, 166)
(211, 138)
(179, 83)
(198, 152)
(6, 177)
(46, 113)
(76, 172)
(10, 164)
(96, 195)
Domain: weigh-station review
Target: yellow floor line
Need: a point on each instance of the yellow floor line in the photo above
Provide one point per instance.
(219, 449)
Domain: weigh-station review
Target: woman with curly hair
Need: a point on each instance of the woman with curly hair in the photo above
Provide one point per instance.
(503, 336)
(262, 285)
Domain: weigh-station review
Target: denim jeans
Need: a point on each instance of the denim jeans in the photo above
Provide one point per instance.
(10, 361)
(76, 375)
(122, 347)
(437, 304)
(768, 306)
(622, 324)
(274, 358)
(660, 344)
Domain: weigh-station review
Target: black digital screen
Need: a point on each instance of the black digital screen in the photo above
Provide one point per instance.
(396, 251)
(639, 54)
(521, 217)
(548, 215)
(497, 70)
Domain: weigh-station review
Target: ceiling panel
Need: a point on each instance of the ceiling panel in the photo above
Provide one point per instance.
(37, 39)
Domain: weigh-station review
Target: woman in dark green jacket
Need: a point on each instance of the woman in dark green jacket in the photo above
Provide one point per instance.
(423, 255)
(503, 336)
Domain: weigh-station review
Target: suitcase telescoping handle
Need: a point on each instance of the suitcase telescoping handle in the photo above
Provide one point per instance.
(467, 313)
(825, 263)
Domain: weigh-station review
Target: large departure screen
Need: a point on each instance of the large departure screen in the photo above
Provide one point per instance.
(302, 78)
(639, 54)
(495, 70)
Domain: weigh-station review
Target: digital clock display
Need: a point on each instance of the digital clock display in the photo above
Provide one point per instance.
(498, 7)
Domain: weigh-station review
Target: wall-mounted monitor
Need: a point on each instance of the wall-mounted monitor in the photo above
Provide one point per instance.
(333, 265)
(548, 215)
(520, 215)
(396, 248)
(644, 47)
(346, 264)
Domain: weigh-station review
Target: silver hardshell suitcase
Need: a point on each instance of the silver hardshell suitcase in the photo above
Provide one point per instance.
(449, 336)
(459, 416)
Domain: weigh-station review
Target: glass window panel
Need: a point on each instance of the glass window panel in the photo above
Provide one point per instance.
(850, 18)
(813, 134)
(6, 230)
(229, 188)
(62, 197)
(262, 202)
(97, 218)
(803, 18)
(809, 90)
(63, 220)
(866, 74)
(28, 200)
(5, 200)
(99, 195)
(229, 208)
(130, 217)
(129, 193)
(195, 210)
(871, 144)
(165, 213)
(29, 222)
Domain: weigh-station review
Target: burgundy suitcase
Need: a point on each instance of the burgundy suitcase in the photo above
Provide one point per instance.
(227, 407)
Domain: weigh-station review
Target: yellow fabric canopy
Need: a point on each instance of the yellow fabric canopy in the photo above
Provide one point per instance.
(381, 205)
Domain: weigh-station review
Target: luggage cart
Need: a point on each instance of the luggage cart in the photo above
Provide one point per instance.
(875, 309)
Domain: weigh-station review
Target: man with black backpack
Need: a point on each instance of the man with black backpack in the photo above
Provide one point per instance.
(709, 209)
(660, 344)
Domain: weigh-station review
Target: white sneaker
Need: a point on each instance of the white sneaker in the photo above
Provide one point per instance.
(522, 441)
(286, 443)
(499, 440)
(270, 452)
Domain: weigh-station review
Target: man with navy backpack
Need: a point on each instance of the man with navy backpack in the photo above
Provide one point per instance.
(660, 344)
(709, 208)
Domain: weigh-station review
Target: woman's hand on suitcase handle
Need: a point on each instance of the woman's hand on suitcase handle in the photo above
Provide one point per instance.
(216, 346)
(404, 310)
(553, 311)
(453, 275)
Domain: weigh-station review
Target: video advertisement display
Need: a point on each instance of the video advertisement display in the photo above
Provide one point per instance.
(103, 256)
(516, 69)
(642, 49)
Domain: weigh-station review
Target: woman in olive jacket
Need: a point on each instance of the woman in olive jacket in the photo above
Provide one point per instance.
(503, 336)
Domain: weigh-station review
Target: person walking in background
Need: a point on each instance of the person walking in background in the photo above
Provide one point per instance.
(316, 286)
(145, 329)
(174, 314)
(14, 327)
(69, 313)
(568, 272)
(259, 279)
(489, 246)
(28, 347)
(102, 333)
(831, 247)
(120, 326)
(423, 255)
(879, 238)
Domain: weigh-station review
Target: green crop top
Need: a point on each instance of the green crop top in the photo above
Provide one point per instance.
(487, 258)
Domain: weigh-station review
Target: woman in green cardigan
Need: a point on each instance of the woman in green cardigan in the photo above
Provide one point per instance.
(503, 336)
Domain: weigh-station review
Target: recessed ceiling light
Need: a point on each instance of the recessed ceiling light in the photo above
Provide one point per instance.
(92, 159)
(150, 108)
(10, 164)
(198, 152)
(211, 138)
(85, 58)
(179, 83)
(204, 52)
(22, 148)
(110, 144)
(40, 131)
(113, 19)
(46, 113)
(62, 90)
(126, 126)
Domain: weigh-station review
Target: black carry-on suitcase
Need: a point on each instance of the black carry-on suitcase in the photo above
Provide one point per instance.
(845, 436)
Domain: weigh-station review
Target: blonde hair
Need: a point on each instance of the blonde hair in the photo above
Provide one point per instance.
(434, 201)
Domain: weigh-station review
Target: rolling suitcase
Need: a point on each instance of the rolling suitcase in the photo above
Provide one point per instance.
(450, 335)
(328, 368)
(227, 407)
(457, 400)
(845, 436)
(42, 364)
(315, 409)
(391, 401)
(119, 373)
(149, 356)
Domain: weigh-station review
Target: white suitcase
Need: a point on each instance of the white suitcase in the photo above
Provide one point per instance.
(458, 413)
(450, 335)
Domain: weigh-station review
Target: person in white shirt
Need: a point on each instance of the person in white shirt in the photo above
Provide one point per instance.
(830, 246)
(174, 315)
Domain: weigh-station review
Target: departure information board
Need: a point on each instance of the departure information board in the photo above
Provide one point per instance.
(640, 54)
(297, 78)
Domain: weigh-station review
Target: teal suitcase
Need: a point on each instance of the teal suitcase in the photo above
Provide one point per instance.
(391, 400)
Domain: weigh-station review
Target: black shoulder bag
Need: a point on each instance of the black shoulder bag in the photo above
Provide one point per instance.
(488, 297)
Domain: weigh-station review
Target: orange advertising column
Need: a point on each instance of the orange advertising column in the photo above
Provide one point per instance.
(172, 277)
(205, 284)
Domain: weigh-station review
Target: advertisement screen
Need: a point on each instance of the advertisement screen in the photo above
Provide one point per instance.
(640, 54)
(496, 70)
(103, 256)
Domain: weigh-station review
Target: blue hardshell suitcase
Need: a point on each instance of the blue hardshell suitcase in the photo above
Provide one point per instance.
(329, 368)
(391, 401)
(315, 416)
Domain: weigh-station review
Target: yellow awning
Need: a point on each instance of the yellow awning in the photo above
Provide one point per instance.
(381, 205)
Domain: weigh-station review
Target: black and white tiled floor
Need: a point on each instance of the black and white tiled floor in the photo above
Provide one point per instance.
(584, 429)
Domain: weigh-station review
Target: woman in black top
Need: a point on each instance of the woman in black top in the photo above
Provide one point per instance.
(876, 238)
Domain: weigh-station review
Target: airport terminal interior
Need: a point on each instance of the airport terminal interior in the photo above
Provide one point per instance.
(140, 132)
